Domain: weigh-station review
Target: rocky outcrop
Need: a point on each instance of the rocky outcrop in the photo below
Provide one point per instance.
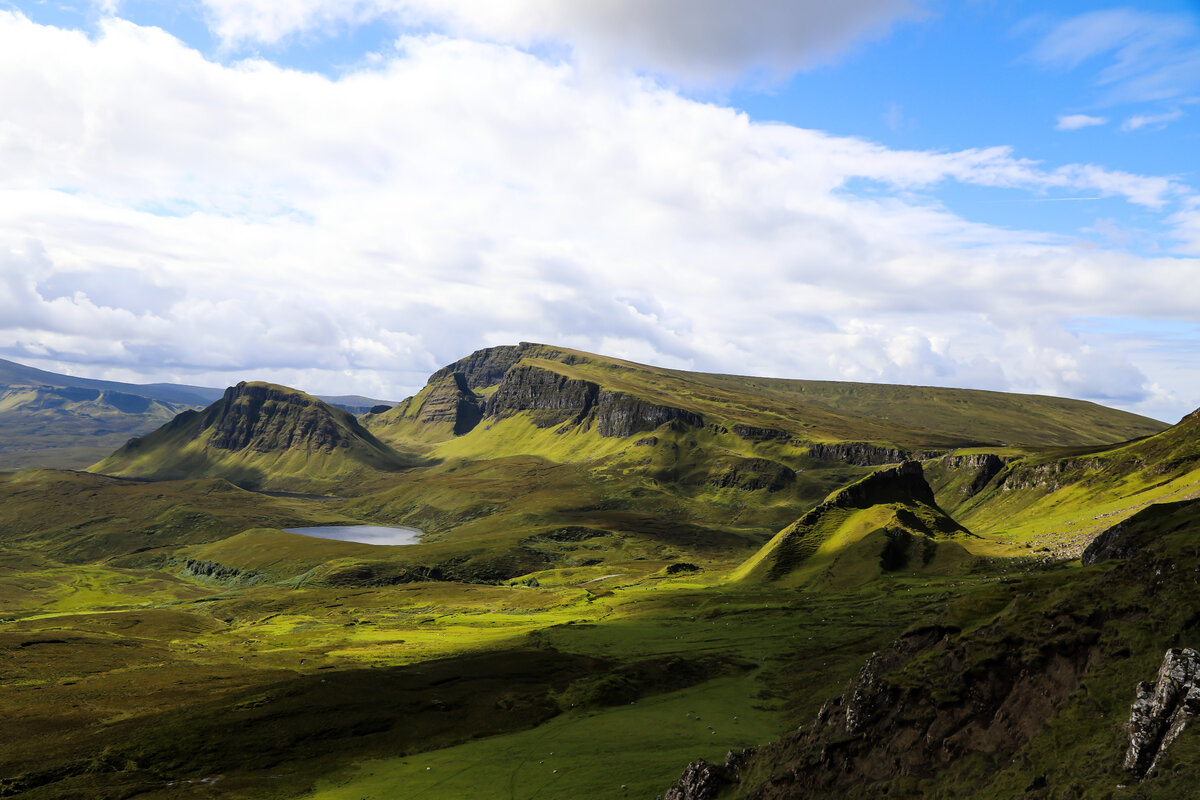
(488, 366)
(266, 418)
(904, 482)
(860, 454)
(1052, 475)
(985, 465)
(756, 434)
(552, 398)
(213, 571)
(752, 474)
(1131, 535)
(885, 725)
(620, 414)
(450, 400)
(1162, 710)
(704, 781)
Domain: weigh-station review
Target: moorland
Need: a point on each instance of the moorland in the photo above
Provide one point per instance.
(631, 582)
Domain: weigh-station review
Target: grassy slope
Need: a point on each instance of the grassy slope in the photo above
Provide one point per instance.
(183, 448)
(1112, 622)
(913, 416)
(1058, 503)
(126, 678)
(72, 429)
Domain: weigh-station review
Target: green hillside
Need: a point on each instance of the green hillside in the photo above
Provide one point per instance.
(885, 522)
(72, 427)
(809, 411)
(623, 569)
(262, 436)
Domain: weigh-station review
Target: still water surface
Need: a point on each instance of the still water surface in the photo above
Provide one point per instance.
(363, 534)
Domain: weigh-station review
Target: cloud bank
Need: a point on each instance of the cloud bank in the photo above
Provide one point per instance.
(696, 42)
(168, 217)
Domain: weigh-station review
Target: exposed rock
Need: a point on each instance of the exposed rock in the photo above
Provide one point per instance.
(266, 418)
(755, 434)
(552, 398)
(1162, 710)
(905, 481)
(450, 400)
(751, 474)
(218, 572)
(1051, 475)
(680, 567)
(620, 414)
(987, 466)
(884, 726)
(704, 781)
(860, 454)
(488, 366)
(646, 441)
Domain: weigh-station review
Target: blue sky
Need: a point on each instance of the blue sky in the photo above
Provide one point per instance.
(345, 194)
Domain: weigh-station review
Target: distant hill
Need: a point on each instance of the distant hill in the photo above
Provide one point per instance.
(261, 436)
(886, 522)
(53, 420)
(570, 390)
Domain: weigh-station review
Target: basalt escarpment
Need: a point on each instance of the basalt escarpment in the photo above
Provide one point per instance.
(259, 435)
(1163, 708)
(986, 466)
(552, 399)
(266, 418)
(487, 367)
(860, 454)
(450, 400)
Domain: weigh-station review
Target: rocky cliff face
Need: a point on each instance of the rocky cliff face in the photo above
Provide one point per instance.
(1052, 475)
(450, 400)
(858, 453)
(704, 781)
(553, 399)
(985, 465)
(266, 418)
(488, 366)
(904, 482)
(620, 414)
(1162, 710)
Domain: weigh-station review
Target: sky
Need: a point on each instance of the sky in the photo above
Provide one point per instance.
(344, 195)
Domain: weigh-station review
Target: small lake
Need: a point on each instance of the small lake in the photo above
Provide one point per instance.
(363, 534)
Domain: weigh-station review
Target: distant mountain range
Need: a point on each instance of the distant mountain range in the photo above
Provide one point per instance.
(53, 420)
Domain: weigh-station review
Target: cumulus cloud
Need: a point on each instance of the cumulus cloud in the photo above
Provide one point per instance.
(1073, 122)
(695, 41)
(353, 234)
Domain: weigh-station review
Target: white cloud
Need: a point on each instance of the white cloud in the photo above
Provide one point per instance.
(1073, 122)
(695, 41)
(1145, 56)
(350, 235)
(1152, 121)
